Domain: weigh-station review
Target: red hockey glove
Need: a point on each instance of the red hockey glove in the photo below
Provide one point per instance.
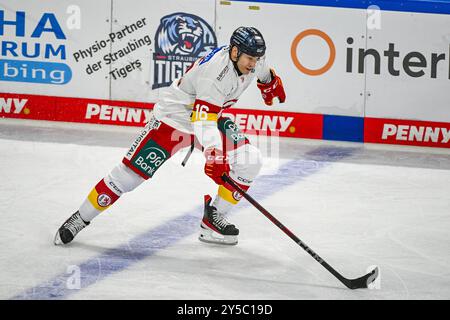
(272, 89)
(216, 165)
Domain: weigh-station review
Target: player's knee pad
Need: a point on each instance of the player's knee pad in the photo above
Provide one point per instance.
(122, 179)
(108, 190)
(246, 162)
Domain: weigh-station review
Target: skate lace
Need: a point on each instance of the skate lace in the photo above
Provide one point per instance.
(75, 224)
(219, 220)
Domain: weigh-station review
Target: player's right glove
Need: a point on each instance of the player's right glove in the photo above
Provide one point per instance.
(272, 89)
(216, 164)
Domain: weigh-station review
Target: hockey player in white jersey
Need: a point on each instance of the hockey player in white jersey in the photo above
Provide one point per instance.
(190, 111)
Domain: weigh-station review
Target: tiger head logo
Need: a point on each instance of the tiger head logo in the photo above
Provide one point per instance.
(184, 34)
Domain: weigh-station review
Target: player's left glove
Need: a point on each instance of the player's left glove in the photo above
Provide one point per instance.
(272, 89)
(216, 164)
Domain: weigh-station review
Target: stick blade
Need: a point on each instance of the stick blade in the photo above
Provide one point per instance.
(364, 281)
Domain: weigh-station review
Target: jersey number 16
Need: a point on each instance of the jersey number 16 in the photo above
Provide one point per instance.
(201, 112)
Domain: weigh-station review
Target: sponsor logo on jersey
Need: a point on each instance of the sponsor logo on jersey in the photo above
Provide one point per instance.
(153, 123)
(231, 131)
(223, 73)
(180, 40)
(150, 158)
(136, 143)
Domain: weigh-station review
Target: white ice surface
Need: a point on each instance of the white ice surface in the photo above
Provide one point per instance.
(376, 205)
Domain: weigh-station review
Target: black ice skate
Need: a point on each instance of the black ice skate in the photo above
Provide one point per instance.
(214, 227)
(70, 229)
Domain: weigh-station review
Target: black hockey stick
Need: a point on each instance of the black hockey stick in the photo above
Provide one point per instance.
(188, 154)
(357, 283)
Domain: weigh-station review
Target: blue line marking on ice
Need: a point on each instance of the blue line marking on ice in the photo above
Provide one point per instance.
(147, 244)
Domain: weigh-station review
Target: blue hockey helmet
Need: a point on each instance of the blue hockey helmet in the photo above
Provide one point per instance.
(248, 40)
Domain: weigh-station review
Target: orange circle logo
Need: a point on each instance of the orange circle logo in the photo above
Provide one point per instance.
(324, 36)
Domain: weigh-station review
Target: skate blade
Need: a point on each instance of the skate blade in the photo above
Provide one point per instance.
(57, 240)
(210, 236)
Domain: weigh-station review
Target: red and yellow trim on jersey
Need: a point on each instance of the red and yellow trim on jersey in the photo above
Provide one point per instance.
(101, 197)
(227, 192)
(205, 111)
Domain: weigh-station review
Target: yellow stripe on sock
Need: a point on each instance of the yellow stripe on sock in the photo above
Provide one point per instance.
(92, 197)
(226, 194)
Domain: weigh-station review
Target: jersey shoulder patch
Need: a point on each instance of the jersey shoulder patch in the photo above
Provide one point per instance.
(210, 55)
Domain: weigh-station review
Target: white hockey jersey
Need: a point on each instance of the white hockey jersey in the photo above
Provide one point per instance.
(193, 103)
